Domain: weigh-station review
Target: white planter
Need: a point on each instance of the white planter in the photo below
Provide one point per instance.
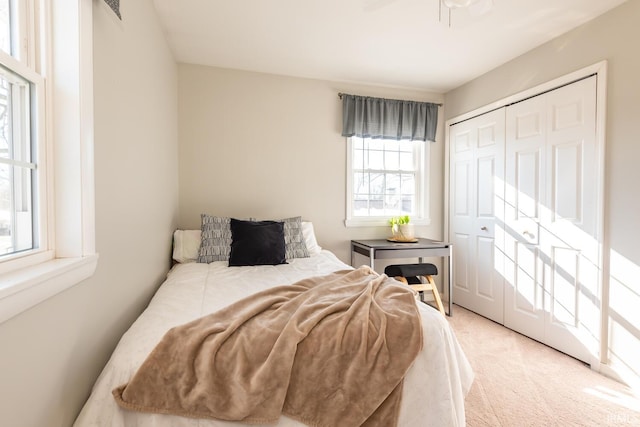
(404, 232)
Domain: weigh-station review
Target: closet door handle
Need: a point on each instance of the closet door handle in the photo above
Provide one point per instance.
(483, 228)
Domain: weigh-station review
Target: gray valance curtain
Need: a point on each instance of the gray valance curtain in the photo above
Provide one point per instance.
(369, 117)
(115, 6)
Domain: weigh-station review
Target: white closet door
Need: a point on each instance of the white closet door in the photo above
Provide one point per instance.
(551, 212)
(524, 199)
(477, 182)
(571, 223)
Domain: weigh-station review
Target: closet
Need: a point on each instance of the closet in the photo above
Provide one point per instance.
(524, 216)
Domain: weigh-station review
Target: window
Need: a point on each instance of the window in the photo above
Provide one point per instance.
(20, 111)
(17, 224)
(385, 178)
(47, 234)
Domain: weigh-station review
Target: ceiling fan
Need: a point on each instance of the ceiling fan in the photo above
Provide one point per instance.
(476, 7)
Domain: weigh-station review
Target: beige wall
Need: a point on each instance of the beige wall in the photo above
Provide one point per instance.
(51, 354)
(266, 146)
(611, 37)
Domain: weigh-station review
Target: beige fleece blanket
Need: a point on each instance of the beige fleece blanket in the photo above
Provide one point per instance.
(328, 351)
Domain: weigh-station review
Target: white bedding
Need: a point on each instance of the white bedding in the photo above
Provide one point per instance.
(434, 388)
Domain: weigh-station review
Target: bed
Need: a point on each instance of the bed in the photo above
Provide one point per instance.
(433, 390)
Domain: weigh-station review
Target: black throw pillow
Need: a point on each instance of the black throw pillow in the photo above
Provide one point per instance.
(256, 243)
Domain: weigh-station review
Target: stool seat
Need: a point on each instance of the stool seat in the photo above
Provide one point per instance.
(410, 275)
(410, 270)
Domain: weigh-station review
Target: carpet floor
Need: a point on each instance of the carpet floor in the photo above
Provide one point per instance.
(520, 382)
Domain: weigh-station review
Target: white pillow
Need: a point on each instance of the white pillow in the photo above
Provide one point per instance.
(186, 245)
(310, 238)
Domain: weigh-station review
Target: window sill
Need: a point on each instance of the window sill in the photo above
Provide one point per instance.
(24, 288)
(380, 222)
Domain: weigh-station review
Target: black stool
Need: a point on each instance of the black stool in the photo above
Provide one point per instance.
(411, 274)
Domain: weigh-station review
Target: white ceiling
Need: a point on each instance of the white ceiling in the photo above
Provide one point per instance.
(399, 43)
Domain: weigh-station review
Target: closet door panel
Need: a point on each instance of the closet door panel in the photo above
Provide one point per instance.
(524, 200)
(551, 214)
(571, 223)
(461, 209)
(567, 187)
(487, 287)
(524, 311)
(461, 255)
(477, 159)
(486, 172)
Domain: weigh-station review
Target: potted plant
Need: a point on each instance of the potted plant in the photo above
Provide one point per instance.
(401, 228)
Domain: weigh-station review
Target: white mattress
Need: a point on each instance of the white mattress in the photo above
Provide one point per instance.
(434, 388)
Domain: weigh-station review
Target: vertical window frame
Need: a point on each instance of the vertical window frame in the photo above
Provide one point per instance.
(26, 61)
(23, 46)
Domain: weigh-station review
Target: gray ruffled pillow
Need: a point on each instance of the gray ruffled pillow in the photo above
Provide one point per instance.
(215, 239)
(295, 247)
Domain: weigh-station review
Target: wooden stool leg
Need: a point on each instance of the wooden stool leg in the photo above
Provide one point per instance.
(436, 294)
(406, 282)
(431, 285)
(401, 279)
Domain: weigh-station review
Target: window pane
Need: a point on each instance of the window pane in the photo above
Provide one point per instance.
(391, 160)
(376, 159)
(406, 161)
(361, 207)
(392, 200)
(16, 167)
(361, 183)
(376, 205)
(16, 231)
(407, 205)
(393, 183)
(377, 183)
(376, 144)
(6, 197)
(5, 26)
(408, 184)
(5, 123)
(391, 203)
(14, 120)
(392, 145)
(358, 159)
(407, 146)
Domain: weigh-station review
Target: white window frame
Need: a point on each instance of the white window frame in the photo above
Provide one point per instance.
(36, 130)
(421, 217)
(23, 60)
(69, 255)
